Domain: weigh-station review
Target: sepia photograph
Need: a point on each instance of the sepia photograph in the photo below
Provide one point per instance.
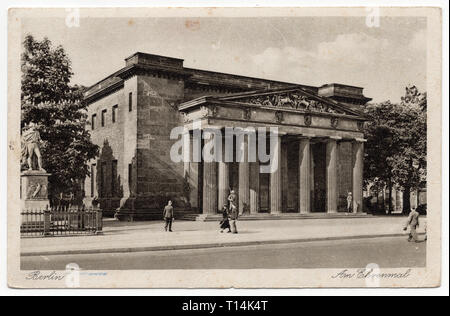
(224, 147)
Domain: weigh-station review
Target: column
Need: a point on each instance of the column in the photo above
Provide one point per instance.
(223, 179)
(209, 188)
(284, 177)
(194, 172)
(209, 182)
(275, 178)
(332, 184)
(304, 169)
(244, 175)
(186, 153)
(358, 156)
(254, 187)
(311, 178)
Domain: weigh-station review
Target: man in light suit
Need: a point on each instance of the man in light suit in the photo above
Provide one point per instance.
(234, 214)
(232, 200)
(168, 216)
(413, 223)
(349, 202)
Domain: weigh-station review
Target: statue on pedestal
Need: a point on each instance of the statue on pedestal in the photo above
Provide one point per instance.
(33, 180)
(31, 151)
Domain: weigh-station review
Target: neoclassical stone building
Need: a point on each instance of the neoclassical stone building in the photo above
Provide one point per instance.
(133, 111)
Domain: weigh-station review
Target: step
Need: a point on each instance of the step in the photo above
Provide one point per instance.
(265, 216)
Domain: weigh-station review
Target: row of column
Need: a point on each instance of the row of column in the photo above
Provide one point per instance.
(216, 180)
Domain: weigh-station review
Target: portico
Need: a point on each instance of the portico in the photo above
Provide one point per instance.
(316, 146)
(318, 143)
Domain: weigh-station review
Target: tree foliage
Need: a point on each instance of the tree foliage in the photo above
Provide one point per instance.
(57, 108)
(382, 143)
(410, 161)
(396, 142)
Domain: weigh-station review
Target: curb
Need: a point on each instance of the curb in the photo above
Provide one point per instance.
(200, 246)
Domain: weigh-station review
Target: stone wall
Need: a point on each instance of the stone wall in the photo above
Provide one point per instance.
(158, 178)
(110, 139)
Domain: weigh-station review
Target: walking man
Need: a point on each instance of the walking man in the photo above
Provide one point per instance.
(234, 214)
(232, 199)
(349, 202)
(413, 223)
(168, 216)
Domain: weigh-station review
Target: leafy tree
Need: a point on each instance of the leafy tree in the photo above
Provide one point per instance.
(381, 147)
(396, 144)
(57, 108)
(410, 162)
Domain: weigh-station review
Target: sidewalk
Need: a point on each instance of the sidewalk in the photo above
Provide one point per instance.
(150, 236)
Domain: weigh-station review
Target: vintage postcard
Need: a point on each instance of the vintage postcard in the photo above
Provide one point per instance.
(224, 147)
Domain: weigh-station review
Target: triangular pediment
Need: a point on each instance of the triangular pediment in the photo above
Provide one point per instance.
(295, 98)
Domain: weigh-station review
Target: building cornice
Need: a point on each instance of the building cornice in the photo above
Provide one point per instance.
(101, 93)
(135, 69)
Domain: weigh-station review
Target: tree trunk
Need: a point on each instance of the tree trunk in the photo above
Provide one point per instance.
(390, 197)
(406, 200)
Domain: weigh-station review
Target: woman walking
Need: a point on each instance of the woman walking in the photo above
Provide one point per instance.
(225, 222)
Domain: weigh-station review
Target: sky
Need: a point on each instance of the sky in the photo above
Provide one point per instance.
(303, 50)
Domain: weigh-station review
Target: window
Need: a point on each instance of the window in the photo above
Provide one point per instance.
(92, 180)
(93, 119)
(114, 113)
(103, 117)
(130, 101)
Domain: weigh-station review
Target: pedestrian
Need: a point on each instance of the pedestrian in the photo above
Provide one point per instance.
(234, 214)
(413, 223)
(225, 222)
(168, 216)
(232, 199)
(349, 202)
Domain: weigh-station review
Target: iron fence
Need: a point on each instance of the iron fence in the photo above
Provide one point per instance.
(61, 221)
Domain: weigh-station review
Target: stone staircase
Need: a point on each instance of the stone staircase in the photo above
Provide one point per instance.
(153, 214)
(267, 216)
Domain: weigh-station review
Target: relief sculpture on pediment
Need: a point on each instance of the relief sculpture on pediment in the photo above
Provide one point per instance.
(291, 100)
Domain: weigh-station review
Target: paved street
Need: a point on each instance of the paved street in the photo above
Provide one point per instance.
(146, 236)
(387, 252)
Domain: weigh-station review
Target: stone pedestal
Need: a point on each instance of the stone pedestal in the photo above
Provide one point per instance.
(34, 190)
